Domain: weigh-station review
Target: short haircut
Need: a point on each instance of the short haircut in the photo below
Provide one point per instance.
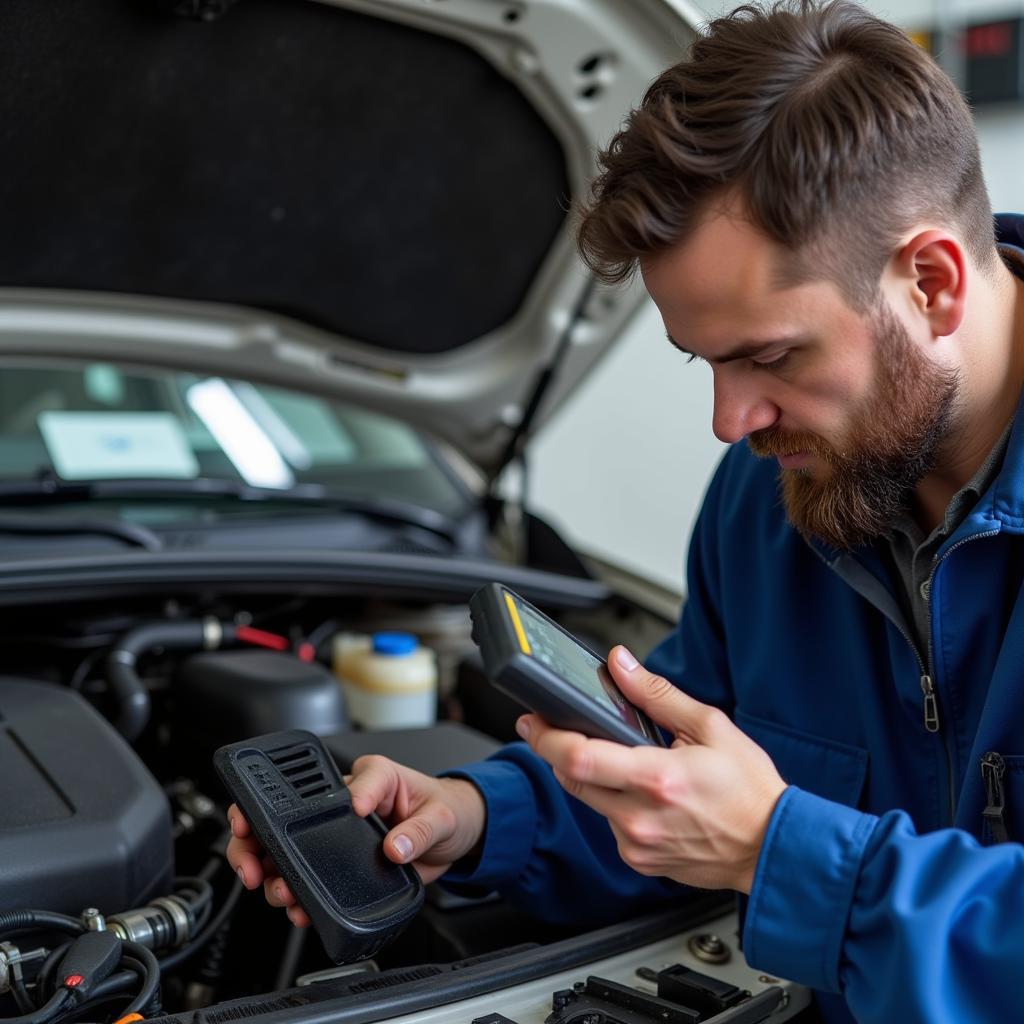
(835, 130)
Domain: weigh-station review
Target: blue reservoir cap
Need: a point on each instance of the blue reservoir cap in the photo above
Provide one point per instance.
(394, 643)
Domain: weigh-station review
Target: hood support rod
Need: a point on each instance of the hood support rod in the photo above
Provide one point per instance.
(521, 432)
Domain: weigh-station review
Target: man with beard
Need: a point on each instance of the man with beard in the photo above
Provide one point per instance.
(845, 689)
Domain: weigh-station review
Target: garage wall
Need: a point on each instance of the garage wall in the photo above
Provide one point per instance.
(623, 466)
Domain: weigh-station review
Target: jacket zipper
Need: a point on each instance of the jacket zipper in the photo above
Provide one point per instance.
(931, 704)
(932, 720)
(931, 700)
(993, 767)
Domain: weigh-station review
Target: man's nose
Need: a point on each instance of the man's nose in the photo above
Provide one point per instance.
(741, 406)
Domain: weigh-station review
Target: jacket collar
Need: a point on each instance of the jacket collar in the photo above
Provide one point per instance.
(1010, 230)
(1003, 505)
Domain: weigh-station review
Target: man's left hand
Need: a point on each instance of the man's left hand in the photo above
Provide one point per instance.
(696, 812)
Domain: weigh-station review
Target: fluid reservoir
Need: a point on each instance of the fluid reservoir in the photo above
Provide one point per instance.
(390, 679)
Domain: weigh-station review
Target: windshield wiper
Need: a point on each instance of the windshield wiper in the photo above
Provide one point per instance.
(50, 489)
(131, 533)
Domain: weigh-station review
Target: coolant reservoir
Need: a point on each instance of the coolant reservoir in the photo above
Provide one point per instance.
(389, 679)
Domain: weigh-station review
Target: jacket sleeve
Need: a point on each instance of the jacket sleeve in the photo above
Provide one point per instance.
(906, 927)
(549, 852)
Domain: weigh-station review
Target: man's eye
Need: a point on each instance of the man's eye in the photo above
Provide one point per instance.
(776, 364)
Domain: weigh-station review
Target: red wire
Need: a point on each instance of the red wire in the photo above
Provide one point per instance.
(261, 638)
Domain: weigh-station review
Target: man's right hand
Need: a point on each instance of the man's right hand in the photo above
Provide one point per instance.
(433, 823)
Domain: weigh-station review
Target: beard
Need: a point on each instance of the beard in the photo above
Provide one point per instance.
(893, 441)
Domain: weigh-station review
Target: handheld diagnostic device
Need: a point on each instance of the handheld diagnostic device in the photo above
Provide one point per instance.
(540, 665)
(292, 795)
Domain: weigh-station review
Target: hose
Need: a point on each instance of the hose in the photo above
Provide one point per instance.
(152, 978)
(128, 690)
(211, 969)
(49, 965)
(196, 891)
(21, 996)
(135, 969)
(181, 955)
(137, 961)
(45, 1013)
(190, 634)
(12, 921)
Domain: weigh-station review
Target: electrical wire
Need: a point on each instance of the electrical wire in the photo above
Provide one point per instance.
(198, 888)
(322, 633)
(290, 960)
(194, 883)
(137, 969)
(151, 981)
(46, 1013)
(181, 955)
(21, 996)
(49, 965)
(217, 861)
(114, 986)
(137, 963)
(13, 921)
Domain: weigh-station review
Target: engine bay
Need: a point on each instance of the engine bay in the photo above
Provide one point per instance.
(114, 819)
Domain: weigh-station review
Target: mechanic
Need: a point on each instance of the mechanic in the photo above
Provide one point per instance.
(804, 199)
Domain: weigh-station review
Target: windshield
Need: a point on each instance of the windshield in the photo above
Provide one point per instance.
(99, 421)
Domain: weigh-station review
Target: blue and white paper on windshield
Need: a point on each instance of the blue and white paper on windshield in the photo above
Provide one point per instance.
(116, 445)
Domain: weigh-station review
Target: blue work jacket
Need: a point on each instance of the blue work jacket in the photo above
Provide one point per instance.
(882, 882)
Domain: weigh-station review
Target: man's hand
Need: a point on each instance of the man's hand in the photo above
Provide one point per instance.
(697, 812)
(433, 823)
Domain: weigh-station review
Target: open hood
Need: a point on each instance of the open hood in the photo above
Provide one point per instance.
(367, 199)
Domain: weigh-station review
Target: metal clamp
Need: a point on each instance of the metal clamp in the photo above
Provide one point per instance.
(11, 959)
(162, 924)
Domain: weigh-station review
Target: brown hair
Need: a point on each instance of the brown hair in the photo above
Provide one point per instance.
(835, 129)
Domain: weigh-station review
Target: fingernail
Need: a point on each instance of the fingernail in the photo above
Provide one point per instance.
(523, 728)
(241, 875)
(403, 844)
(279, 891)
(625, 659)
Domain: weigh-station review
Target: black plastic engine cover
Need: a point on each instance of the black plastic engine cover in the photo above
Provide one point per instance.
(84, 823)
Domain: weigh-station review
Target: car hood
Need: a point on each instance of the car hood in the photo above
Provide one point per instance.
(367, 200)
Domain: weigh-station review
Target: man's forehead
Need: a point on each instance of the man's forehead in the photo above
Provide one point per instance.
(725, 260)
(728, 282)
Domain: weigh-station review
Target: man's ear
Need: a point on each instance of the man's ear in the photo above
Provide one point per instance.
(935, 266)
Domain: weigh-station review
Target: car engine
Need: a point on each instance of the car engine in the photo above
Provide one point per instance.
(117, 903)
(114, 820)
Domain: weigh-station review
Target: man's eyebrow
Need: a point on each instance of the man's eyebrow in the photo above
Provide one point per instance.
(745, 349)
